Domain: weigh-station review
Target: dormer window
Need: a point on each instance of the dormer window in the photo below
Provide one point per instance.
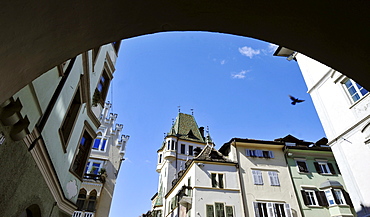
(354, 90)
(259, 153)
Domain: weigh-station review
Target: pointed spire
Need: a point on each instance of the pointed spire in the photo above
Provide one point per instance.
(209, 139)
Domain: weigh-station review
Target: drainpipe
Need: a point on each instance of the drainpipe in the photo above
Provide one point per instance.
(243, 192)
(42, 121)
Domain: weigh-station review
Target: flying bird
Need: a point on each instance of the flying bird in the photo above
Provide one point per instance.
(295, 100)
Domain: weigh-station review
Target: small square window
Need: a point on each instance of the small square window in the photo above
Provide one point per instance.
(302, 166)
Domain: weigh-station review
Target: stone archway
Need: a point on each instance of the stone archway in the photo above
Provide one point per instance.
(37, 36)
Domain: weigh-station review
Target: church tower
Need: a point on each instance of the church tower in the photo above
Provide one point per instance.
(183, 142)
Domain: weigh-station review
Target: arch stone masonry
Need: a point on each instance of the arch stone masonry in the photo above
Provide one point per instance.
(38, 35)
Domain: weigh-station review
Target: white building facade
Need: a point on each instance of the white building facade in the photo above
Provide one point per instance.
(343, 108)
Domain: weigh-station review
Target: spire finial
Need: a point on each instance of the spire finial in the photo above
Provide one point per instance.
(192, 111)
(173, 121)
(179, 108)
(207, 130)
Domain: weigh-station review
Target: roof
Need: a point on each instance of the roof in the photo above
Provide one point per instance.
(331, 183)
(185, 127)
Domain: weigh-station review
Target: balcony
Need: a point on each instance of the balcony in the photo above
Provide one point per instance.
(82, 214)
(95, 177)
(170, 155)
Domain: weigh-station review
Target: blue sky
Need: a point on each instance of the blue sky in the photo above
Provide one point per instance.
(233, 83)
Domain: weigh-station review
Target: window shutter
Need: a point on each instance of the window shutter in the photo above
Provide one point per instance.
(337, 168)
(229, 211)
(347, 198)
(220, 180)
(259, 153)
(256, 210)
(276, 178)
(271, 153)
(210, 211)
(318, 169)
(288, 210)
(271, 176)
(248, 152)
(305, 197)
(335, 197)
(214, 182)
(270, 209)
(321, 197)
(331, 167)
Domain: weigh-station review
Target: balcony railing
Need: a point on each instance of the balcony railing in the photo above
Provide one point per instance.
(95, 177)
(82, 214)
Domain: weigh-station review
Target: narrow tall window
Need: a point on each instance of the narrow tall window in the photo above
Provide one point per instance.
(210, 212)
(82, 154)
(182, 149)
(257, 177)
(338, 195)
(81, 199)
(70, 118)
(190, 150)
(160, 158)
(355, 90)
(92, 201)
(220, 209)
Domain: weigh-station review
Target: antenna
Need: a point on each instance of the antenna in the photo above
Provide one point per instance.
(192, 111)
(179, 108)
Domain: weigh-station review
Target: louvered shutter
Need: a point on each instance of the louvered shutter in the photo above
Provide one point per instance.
(347, 198)
(321, 197)
(318, 168)
(229, 211)
(331, 167)
(305, 197)
(256, 210)
(248, 152)
(220, 180)
(270, 209)
(210, 211)
(259, 153)
(271, 153)
(288, 210)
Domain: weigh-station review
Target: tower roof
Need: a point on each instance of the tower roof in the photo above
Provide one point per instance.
(185, 127)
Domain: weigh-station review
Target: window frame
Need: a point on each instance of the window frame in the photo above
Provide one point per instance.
(268, 209)
(70, 118)
(357, 88)
(259, 153)
(90, 165)
(217, 180)
(299, 166)
(78, 172)
(274, 178)
(191, 150)
(257, 177)
(101, 142)
(182, 149)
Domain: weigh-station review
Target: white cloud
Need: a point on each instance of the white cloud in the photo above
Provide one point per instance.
(223, 62)
(147, 161)
(248, 51)
(240, 75)
(272, 47)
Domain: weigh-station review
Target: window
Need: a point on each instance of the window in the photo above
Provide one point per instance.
(99, 144)
(257, 177)
(102, 88)
(259, 153)
(182, 150)
(274, 179)
(92, 201)
(217, 180)
(219, 210)
(81, 199)
(190, 150)
(355, 90)
(168, 145)
(270, 209)
(172, 145)
(329, 197)
(324, 168)
(302, 166)
(94, 166)
(82, 153)
(160, 158)
(314, 198)
(70, 118)
(338, 195)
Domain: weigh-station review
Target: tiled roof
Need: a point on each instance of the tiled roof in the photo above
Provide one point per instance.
(185, 127)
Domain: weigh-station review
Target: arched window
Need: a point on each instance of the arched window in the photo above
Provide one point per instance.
(92, 201)
(31, 211)
(81, 199)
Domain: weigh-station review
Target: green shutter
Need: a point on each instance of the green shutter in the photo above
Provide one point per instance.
(229, 211)
(210, 211)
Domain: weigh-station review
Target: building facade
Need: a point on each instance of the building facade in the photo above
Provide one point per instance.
(342, 106)
(107, 154)
(46, 133)
(317, 180)
(266, 186)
